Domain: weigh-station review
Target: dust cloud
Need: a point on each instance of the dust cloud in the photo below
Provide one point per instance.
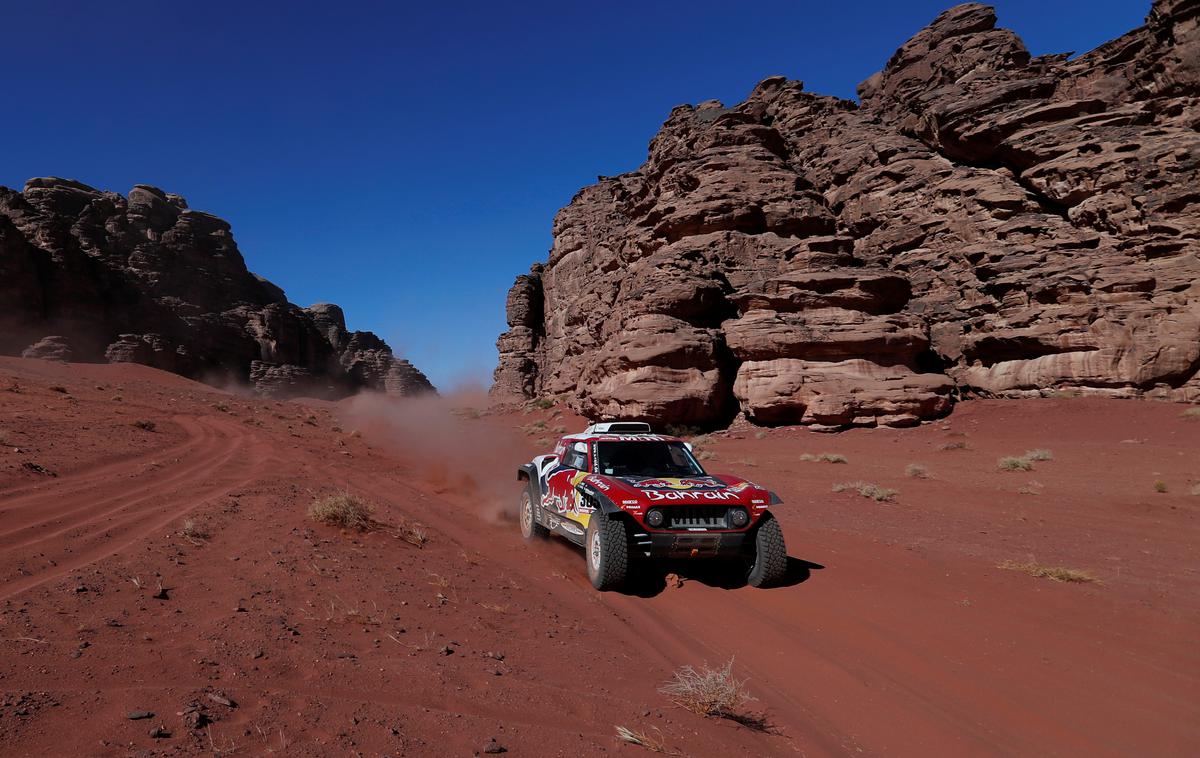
(449, 446)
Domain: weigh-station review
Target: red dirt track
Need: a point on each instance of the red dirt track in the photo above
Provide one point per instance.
(897, 633)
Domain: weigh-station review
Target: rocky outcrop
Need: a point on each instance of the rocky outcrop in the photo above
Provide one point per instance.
(93, 276)
(983, 222)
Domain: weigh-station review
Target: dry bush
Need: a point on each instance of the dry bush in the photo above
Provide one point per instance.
(146, 426)
(955, 446)
(413, 534)
(760, 435)
(642, 739)
(1040, 454)
(916, 471)
(1160, 486)
(544, 403)
(1195, 491)
(1030, 488)
(343, 510)
(869, 491)
(1191, 413)
(1014, 463)
(222, 407)
(193, 532)
(1056, 573)
(709, 692)
(824, 458)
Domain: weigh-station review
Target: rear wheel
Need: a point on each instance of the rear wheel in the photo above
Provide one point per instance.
(530, 528)
(769, 562)
(606, 544)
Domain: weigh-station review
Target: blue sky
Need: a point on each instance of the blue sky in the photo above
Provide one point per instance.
(406, 161)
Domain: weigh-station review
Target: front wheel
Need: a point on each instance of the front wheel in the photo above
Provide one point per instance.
(606, 544)
(530, 528)
(769, 562)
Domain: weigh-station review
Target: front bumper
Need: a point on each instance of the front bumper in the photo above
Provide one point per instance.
(684, 544)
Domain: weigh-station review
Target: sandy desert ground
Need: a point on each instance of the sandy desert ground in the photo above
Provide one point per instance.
(259, 632)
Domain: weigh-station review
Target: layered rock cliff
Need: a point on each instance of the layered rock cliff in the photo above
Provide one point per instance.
(983, 222)
(95, 276)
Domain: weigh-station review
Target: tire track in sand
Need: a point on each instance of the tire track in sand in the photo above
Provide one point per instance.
(72, 522)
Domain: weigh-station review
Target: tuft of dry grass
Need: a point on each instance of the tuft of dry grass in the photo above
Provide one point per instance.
(916, 471)
(1195, 491)
(959, 445)
(413, 534)
(1040, 454)
(760, 435)
(1014, 463)
(1191, 413)
(1055, 573)
(824, 458)
(193, 532)
(869, 491)
(544, 403)
(1160, 486)
(642, 739)
(1030, 488)
(711, 692)
(343, 510)
(145, 426)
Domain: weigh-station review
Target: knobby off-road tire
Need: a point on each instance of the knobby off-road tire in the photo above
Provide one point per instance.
(530, 528)
(768, 564)
(606, 545)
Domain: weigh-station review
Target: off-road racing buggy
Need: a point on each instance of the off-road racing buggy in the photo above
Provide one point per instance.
(624, 493)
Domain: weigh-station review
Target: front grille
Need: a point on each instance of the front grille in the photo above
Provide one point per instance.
(695, 517)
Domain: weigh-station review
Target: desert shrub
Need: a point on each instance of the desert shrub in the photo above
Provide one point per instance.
(343, 510)
(1014, 463)
(832, 458)
(916, 471)
(1160, 486)
(1191, 413)
(708, 691)
(544, 403)
(760, 435)
(1055, 573)
(193, 531)
(959, 445)
(869, 491)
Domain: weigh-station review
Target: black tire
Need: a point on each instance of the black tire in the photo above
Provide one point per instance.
(606, 548)
(768, 564)
(530, 528)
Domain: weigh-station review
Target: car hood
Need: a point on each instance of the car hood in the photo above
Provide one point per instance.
(696, 490)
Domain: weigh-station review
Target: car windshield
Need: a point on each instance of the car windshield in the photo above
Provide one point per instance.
(646, 458)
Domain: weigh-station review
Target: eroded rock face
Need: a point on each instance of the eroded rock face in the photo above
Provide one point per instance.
(984, 222)
(88, 276)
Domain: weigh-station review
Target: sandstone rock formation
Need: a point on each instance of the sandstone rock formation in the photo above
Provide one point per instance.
(984, 222)
(89, 276)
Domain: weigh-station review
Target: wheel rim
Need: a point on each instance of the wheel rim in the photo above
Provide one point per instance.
(527, 515)
(594, 552)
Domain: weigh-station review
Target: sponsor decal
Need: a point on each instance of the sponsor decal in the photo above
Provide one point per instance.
(571, 527)
(690, 495)
(670, 483)
(599, 483)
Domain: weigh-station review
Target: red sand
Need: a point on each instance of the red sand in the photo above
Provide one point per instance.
(898, 634)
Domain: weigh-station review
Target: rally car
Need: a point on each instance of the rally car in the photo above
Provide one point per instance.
(624, 493)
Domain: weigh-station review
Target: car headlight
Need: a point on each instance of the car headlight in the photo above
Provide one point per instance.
(655, 517)
(739, 517)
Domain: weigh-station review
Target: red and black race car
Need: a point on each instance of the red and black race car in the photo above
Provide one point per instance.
(624, 493)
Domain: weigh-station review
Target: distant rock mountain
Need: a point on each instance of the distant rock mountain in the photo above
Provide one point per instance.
(984, 222)
(94, 276)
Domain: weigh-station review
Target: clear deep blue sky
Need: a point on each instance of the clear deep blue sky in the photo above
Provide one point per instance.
(405, 161)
